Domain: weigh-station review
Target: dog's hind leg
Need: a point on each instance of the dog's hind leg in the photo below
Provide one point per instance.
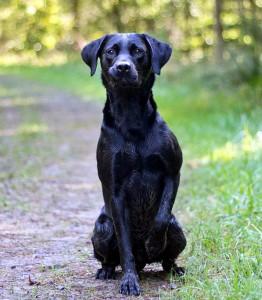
(176, 243)
(105, 247)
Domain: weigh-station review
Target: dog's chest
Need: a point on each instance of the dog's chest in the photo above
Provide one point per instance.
(139, 161)
(143, 195)
(143, 186)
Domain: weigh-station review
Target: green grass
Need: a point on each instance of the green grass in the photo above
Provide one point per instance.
(72, 76)
(219, 203)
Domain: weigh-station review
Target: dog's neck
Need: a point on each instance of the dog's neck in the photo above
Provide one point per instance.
(131, 111)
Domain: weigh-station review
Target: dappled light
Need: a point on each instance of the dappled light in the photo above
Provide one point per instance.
(12, 59)
(7, 102)
(24, 130)
(79, 186)
(217, 30)
(248, 145)
(27, 129)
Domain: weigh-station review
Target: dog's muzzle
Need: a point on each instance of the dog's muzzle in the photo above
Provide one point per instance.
(124, 73)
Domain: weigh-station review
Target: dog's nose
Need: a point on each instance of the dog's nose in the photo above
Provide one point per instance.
(123, 67)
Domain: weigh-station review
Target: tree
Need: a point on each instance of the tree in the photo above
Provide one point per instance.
(219, 44)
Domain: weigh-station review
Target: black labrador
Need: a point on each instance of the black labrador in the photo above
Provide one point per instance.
(138, 159)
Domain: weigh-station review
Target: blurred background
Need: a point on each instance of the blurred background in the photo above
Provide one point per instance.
(214, 30)
(210, 94)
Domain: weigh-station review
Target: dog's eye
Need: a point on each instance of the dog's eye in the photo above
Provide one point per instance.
(110, 52)
(138, 51)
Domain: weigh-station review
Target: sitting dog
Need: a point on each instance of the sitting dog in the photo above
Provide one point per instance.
(138, 160)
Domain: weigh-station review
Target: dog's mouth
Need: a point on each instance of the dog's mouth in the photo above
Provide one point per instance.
(124, 80)
(127, 82)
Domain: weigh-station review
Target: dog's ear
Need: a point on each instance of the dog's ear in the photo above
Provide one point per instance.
(91, 52)
(160, 53)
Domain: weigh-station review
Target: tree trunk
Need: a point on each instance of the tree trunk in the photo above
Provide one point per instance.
(256, 51)
(218, 28)
(186, 13)
(76, 24)
(117, 9)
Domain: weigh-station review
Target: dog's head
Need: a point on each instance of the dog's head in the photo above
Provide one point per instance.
(127, 59)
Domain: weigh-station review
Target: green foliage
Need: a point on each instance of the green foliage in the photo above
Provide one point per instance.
(34, 26)
(40, 26)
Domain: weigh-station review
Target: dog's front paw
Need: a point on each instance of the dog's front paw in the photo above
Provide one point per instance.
(129, 284)
(179, 271)
(106, 273)
(154, 246)
(169, 265)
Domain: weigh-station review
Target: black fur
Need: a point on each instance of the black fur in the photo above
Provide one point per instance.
(138, 159)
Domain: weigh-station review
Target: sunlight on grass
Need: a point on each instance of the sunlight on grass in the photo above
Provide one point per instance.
(4, 103)
(25, 130)
(33, 128)
(249, 144)
(11, 59)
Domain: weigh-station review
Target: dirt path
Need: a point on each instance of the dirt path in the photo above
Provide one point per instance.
(50, 196)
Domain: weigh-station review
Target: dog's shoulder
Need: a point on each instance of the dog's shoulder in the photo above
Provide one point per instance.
(163, 142)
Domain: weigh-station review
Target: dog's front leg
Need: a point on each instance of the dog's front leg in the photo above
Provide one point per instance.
(129, 283)
(156, 241)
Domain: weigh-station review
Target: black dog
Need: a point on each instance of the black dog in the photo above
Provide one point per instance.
(138, 159)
